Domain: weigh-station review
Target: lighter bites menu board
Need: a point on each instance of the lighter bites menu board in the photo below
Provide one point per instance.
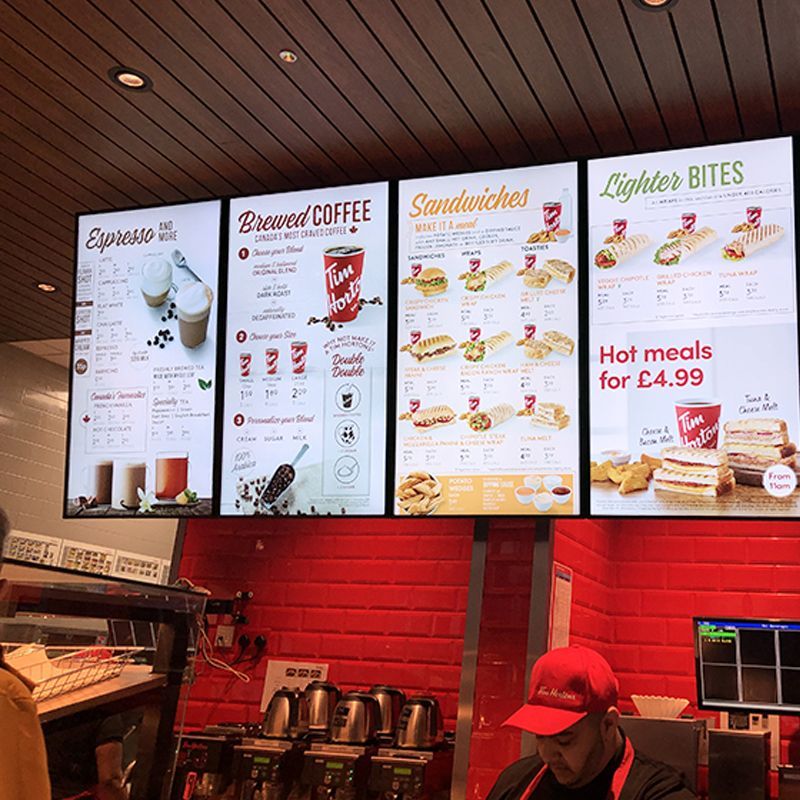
(305, 386)
(693, 361)
(487, 375)
(142, 405)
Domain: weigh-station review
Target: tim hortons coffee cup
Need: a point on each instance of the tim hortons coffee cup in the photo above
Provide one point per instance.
(474, 403)
(172, 474)
(415, 270)
(414, 404)
(530, 331)
(552, 216)
(193, 303)
(343, 268)
(128, 478)
(530, 402)
(698, 422)
(271, 360)
(530, 260)
(474, 264)
(688, 221)
(415, 336)
(619, 227)
(156, 281)
(299, 353)
(474, 334)
(245, 361)
(754, 215)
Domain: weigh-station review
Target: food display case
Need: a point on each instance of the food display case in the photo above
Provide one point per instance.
(101, 649)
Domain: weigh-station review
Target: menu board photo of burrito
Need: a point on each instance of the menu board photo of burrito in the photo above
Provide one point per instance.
(615, 254)
(752, 241)
(479, 351)
(480, 281)
(488, 420)
(676, 250)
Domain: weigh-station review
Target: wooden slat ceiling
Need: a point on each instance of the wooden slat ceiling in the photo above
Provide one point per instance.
(381, 89)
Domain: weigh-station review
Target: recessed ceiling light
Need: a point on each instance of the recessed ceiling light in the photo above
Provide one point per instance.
(289, 56)
(656, 5)
(46, 287)
(130, 79)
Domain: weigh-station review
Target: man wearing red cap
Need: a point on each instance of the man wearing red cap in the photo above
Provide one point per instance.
(582, 753)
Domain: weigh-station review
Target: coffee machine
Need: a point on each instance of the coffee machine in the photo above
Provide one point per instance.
(204, 766)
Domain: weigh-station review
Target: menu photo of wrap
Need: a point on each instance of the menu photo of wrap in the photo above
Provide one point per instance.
(752, 241)
(479, 351)
(676, 250)
(481, 280)
(492, 417)
(617, 253)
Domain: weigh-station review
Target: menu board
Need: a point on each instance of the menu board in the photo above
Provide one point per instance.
(693, 364)
(487, 373)
(144, 361)
(305, 375)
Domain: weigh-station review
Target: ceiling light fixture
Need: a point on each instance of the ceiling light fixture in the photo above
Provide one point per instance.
(130, 79)
(656, 5)
(289, 56)
(46, 287)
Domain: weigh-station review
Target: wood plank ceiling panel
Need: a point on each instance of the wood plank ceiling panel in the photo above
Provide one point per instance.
(315, 41)
(443, 42)
(783, 33)
(610, 36)
(203, 68)
(213, 36)
(743, 36)
(563, 28)
(503, 74)
(59, 248)
(698, 38)
(536, 58)
(434, 86)
(655, 39)
(30, 305)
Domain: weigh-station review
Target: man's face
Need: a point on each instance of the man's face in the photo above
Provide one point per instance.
(575, 756)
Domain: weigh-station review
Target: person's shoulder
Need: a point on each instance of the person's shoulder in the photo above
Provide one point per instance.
(655, 780)
(13, 691)
(515, 776)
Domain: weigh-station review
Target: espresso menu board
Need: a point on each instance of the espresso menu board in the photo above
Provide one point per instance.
(144, 360)
(487, 374)
(305, 384)
(694, 371)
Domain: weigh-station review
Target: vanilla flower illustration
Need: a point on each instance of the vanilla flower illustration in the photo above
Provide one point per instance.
(146, 500)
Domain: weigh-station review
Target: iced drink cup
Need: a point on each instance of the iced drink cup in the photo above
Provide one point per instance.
(193, 303)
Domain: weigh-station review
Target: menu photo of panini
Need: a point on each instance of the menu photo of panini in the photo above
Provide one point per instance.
(754, 445)
(426, 419)
(614, 254)
(489, 419)
(431, 347)
(560, 342)
(429, 282)
(694, 471)
(550, 415)
(674, 251)
(479, 351)
(535, 278)
(752, 241)
(559, 269)
(483, 279)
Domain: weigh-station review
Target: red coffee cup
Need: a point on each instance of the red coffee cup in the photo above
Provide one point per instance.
(530, 260)
(414, 404)
(620, 226)
(343, 268)
(474, 264)
(698, 422)
(245, 359)
(415, 270)
(415, 336)
(271, 360)
(299, 351)
(754, 215)
(552, 216)
(530, 402)
(688, 221)
(530, 331)
(474, 334)
(474, 403)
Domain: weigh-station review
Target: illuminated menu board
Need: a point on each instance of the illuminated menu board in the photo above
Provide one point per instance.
(487, 372)
(693, 355)
(142, 404)
(304, 427)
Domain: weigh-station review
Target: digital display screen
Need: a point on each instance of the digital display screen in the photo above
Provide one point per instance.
(142, 402)
(487, 373)
(748, 665)
(693, 333)
(402, 771)
(304, 426)
(334, 765)
(262, 760)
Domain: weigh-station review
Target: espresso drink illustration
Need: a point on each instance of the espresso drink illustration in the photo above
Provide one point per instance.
(129, 477)
(156, 281)
(193, 303)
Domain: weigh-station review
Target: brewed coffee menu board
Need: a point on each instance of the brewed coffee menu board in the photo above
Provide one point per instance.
(693, 359)
(487, 375)
(144, 359)
(305, 385)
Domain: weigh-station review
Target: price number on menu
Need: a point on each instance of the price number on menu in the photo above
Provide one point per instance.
(665, 379)
(298, 392)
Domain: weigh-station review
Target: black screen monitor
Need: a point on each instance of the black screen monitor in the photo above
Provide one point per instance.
(748, 665)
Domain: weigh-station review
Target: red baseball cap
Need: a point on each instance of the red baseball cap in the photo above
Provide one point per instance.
(566, 684)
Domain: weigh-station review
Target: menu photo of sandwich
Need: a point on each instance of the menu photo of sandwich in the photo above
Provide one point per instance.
(479, 351)
(483, 279)
(618, 252)
(559, 269)
(550, 415)
(431, 348)
(551, 341)
(677, 249)
(754, 445)
(426, 419)
(752, 241)
(428, 282)
(694, 471)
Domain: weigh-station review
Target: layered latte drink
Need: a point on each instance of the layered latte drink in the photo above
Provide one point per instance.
(193, 303)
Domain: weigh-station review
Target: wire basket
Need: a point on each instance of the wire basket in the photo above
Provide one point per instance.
(73, 667)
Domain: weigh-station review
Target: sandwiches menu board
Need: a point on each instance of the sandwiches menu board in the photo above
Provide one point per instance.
(144, 359)
(693, 361)
(304, 428)
(487, 375)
